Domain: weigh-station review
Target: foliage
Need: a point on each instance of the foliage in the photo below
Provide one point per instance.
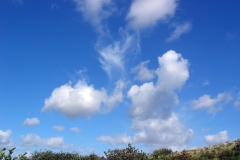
(226, 151)
(129, 153)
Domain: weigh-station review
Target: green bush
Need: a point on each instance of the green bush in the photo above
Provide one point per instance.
(129, 153)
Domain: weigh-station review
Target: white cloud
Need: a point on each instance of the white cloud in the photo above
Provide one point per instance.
(143, 73)
(179, 30)
(146, 13)
(34, 140)
(173, 71)
(169, 132)
(58, 128)
(81, 100)
(117, 95)
(212, 105)
(237, 102)
(75, 129)
(151, 100)
(113, 57)
(30, 122)
(156, 132)
(5, 139)
(95, 11)
(154, 123)
(221, 137)
(119, 139)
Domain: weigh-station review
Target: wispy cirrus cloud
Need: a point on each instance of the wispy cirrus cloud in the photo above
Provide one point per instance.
(114, 56)
(179, 30)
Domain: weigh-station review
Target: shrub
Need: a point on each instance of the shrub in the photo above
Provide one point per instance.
(129, 153)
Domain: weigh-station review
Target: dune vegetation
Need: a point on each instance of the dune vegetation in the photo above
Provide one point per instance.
(224, 151)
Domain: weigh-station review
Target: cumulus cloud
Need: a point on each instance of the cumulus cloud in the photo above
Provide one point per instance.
(75, 129)
(154, 123)
(113, 57)
(119, 139)
(151, 100)
(155, 132)
(30, 122)
(173, 71)
(95, 11)
(146, 13)
(142, 72)
(221, 137)
(179, 30)
(81, 100)
(5, 139)
(237, 102)
(211, 105)
(34, 140)
(58, 128)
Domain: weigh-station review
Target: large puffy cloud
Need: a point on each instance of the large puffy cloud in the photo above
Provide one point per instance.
(5, 139)
(143, 73)
(34, 140)
(149, 99)
(173, 71)
(113, 57)
(30, 122)
(211, 105)
(154, 123)
(179, 30)
(95, 11)
(146, 13)
(82, 100)
(155, 132)
(221, 137)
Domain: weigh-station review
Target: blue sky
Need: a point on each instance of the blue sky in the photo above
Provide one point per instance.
(88, 76)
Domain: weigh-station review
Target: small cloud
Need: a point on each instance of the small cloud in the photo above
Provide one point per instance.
(75, 129)
(237, 102)
(58, 128)
(145, 14)
(179, 30)
(221, 137)
(143, 73)
(54, 6)
(34, 140)
(212, 105)
(30, 122)
(5, 139)
(95, 11)
(17, 2)
(206, 83)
